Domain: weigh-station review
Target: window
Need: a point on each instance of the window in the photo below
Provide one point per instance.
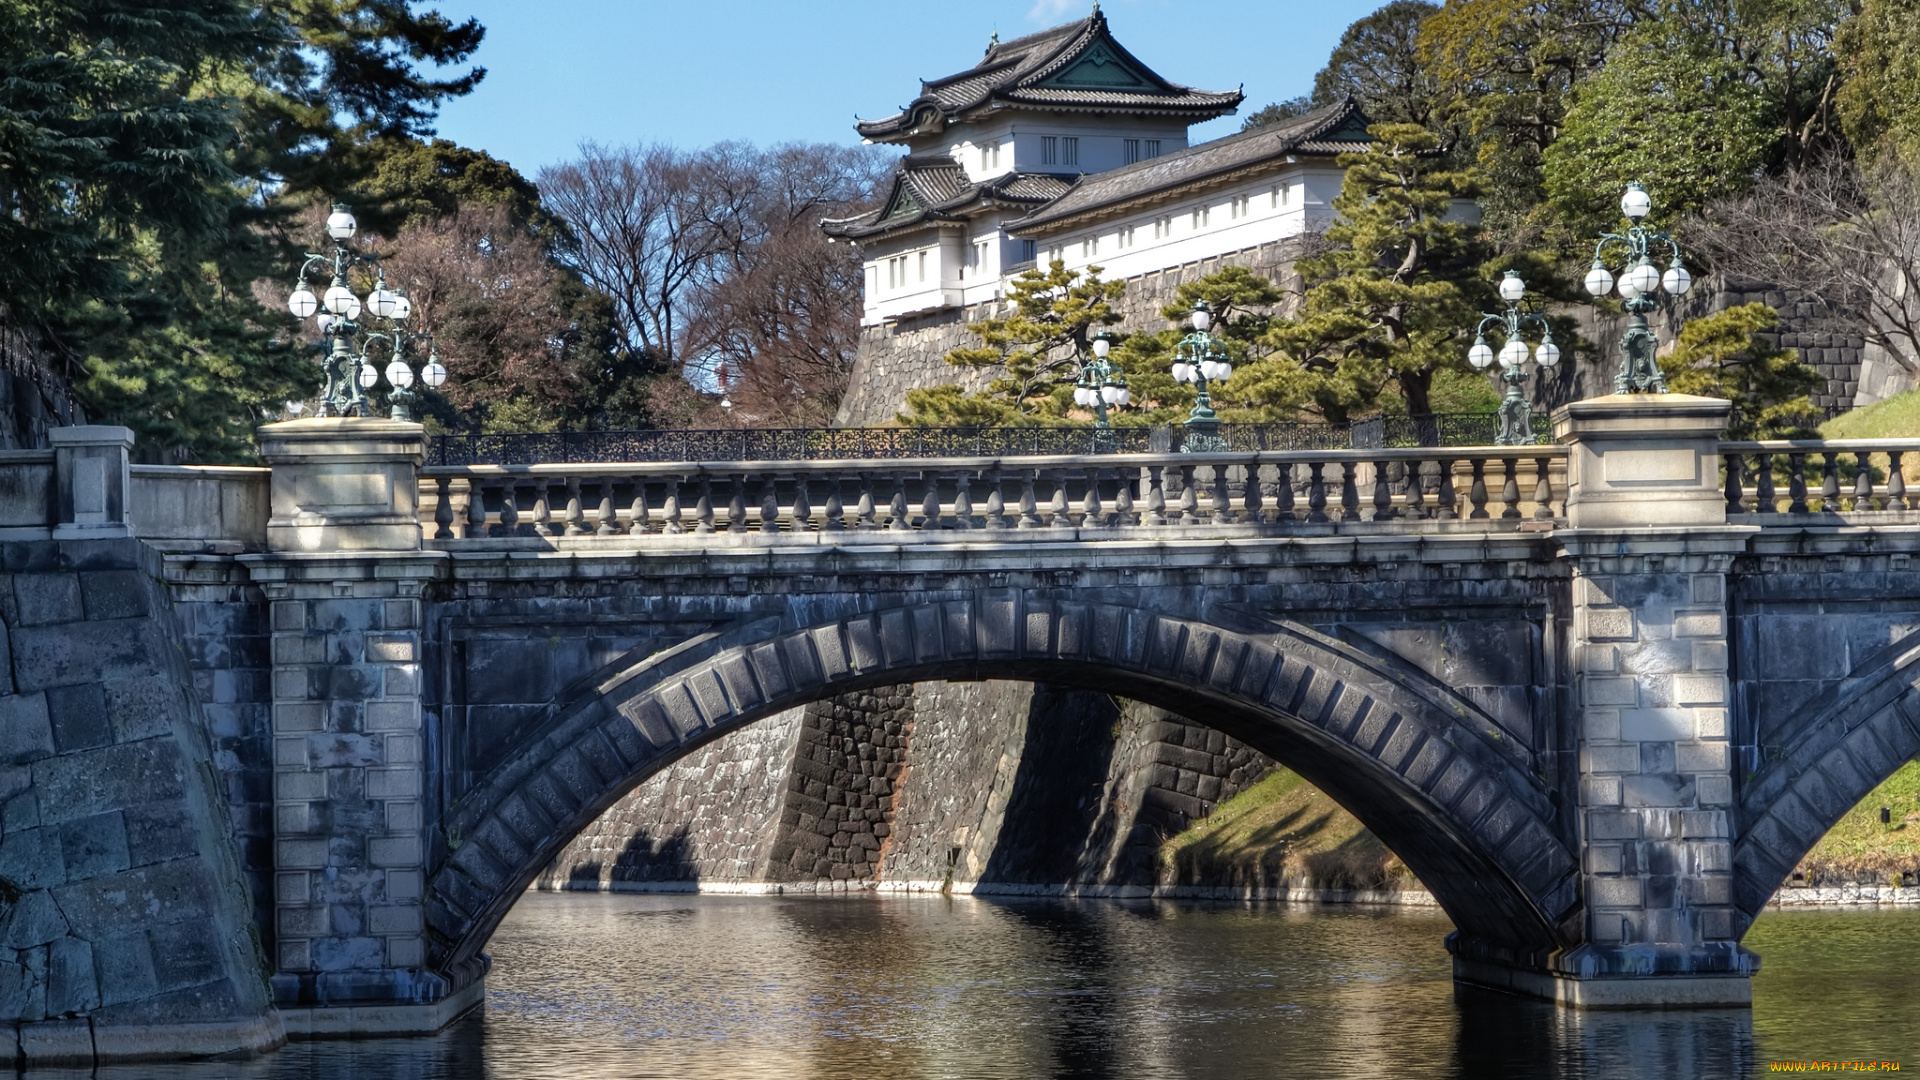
(1089, 247)
(1162, 227)
(1132, 148)
(1239, 206)
(1049, 150)
(1200, 216)
(1280, 195)
(1153, 148)
(1070, 151)
(896, 271)
(1024, 248)
(923, 266)
(995, 147)
(1056, 254)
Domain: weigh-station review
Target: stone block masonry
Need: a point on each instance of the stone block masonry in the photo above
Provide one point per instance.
(126, 929)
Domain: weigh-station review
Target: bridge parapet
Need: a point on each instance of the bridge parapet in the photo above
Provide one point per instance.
(1815, 481)
(1439, 489)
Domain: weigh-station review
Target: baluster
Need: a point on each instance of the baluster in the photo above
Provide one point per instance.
(897, 508)
(1543, 488)
(1896, 482)
(1797, 483)
(770, 503)
(1446, 508)
(574, 513)
(1283, 495)
(1220, 502)
(1092, 514)
(1061, 519)
(1416, 490)
(1253, 506)
(606, 523)
(670, 509)
(1189, 498)
(1477, 494)
(1510, 491)
(863, 510)
(443, 509)
(1830, 484)
(930, 503)
(963, 502)
(1349, 491)
(476, 508)
(836, 512)
(1028, 505)
(1862, 482)
(1123, 514)
(802, 520)
(509, 509)
(1382, 494)
(542, 513)
(639, 514)
(1735, 463)
(996, 502)
(703, 507)
(737, 505)
(1763, 486)
(1156, 497)
(1316, 492)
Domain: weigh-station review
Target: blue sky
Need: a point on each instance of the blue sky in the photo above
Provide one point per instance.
(560, 72)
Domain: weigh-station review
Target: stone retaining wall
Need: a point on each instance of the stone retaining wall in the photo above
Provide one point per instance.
(126, 929)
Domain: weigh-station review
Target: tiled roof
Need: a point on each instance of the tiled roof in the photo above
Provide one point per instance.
(1075, 67)
(1333, 129)
(931, 188)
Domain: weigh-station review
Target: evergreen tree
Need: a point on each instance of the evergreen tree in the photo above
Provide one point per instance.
(1037, 351)
(1879, 103)
(1389, 299)
(1725, 355)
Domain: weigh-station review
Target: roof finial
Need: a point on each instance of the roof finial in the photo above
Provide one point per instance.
(994, 41)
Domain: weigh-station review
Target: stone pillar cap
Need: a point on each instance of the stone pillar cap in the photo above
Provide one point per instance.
(341, 436)
(1664, 415)
(90, 435)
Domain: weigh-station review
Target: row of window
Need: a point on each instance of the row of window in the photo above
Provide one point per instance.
(912, 268)
(1059, 150)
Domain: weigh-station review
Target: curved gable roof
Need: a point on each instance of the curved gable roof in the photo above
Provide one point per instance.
(1074, 67)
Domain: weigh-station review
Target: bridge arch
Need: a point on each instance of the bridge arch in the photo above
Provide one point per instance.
(1853, 737)
(1421, 767)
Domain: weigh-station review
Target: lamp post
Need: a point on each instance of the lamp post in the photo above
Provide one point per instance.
(1199, 358)
(349, 366)
(1516, 414)
(1101, 384)
(1639, 371)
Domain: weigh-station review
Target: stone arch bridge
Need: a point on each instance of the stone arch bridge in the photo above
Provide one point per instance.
(1600, 696)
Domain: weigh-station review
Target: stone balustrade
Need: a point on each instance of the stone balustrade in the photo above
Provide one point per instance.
(1477, 489)
(1855, 479)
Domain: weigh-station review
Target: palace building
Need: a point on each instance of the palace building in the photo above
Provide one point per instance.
(1064, 145)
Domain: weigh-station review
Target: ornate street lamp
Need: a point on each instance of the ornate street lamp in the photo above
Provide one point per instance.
(349, 366)
(1516, 414)
(1199, 359)
(1101, 383)
(1639, 371)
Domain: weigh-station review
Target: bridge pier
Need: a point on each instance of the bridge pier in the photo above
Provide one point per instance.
(343, 576)
(1649, 546)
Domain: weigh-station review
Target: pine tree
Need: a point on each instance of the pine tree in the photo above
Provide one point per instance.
(1037, 349)
(1388, 300)
(1725, 355)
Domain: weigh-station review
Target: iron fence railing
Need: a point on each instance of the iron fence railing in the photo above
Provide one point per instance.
(851, 444)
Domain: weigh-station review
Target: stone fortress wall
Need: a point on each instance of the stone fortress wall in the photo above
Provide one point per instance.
(981, 787)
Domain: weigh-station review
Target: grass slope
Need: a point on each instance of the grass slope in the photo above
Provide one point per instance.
(1897, 417)
(1858, 849)
(1281, 831)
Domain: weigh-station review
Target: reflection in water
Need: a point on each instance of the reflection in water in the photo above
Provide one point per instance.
(597, 987)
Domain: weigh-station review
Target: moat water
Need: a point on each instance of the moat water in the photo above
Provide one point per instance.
(595, 987)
